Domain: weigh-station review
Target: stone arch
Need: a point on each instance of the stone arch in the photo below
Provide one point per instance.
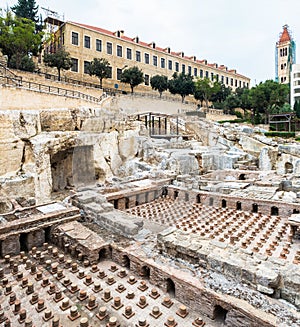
(255, 207)
(219, 313)
(170, 287)
(211, 201)
(102, 254)
(224, 203)
(288, 168)
(176, 193)
(239, 205)
(125, 261)
(198, 198)
(274, 211)
(242, 177)
(145, 272)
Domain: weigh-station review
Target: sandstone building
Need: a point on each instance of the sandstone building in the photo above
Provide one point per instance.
(85, 42)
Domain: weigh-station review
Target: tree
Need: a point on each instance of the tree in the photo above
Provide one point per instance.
(159, 83)
(100, 68)
(181, 84)
(266, 95)
(297, 108)
(59, 59)
(132, 76)
(203, 90)
(18, 38)
(26, 9)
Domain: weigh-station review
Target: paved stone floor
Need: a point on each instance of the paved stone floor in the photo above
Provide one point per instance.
(45, 282)
(265, 235)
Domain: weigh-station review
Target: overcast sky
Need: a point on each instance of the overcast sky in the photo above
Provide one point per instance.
(240, 34)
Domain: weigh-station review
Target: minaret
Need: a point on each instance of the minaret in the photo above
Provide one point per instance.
(285, 56)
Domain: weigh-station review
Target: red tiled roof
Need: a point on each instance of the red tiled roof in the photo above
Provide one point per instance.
(285, 35)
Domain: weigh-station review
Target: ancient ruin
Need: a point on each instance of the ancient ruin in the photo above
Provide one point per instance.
(123, 210)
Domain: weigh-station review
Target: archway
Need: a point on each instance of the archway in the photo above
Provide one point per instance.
(242, 177)
(211, 201)
(102, 255)
(171, 287)
(219, 313)
(145, 272)
(295, 211)
(125, 261)
(198, 198)
(176, 193)
(47, 234)
(224, 203)
(239, 205)
(23, 239)
(274, 211)
(289, 168)
(186, 197)
(254, 207)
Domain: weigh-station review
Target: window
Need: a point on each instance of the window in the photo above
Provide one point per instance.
(195, 71)
(147, 58)
(86, 66)
(63, 38)
(189, 70)
(162, 62)
(109, 48)
(201, 73)
(119, 73)
(129, 53)
(138, 56)
(146, 79)
(110, 72)
(222, 79)
(231, 81)
(217, 77)
(170, 64)
(74, 38)
(177, 66)
(119, 50)
(206, 74)
(74, 67)
(87, 41)
(154, 60)
(227, 80)
(183, 68)
(235, 83)
(98, 45)
(240, 83)
(212, 76)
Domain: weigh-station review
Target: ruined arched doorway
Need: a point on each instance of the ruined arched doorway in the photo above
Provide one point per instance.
(198, 198)
(176, 193)
(289, 168)
(274, 211)
(102, 255)
(125, 261)
(242, 177)
(239, 205)
(171, 287)
(145, 272)
(254, 207)
(219, 313)
(224, 203)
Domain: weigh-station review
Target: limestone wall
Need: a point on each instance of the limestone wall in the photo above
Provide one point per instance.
(12, 98)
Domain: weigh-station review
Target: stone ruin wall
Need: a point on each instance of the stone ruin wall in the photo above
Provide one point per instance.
(30, 141)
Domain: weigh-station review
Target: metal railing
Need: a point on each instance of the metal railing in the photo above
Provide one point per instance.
(6, 80)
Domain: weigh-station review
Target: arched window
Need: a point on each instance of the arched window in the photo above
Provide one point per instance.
(239, 205)
(224, 203)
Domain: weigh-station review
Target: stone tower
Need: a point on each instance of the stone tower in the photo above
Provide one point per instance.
(285, 56)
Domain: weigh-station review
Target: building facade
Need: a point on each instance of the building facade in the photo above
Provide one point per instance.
(295, 84)
(285, 56)
(84, 43)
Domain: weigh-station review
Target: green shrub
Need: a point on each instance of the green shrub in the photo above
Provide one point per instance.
(239, 114)
(280, 134)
